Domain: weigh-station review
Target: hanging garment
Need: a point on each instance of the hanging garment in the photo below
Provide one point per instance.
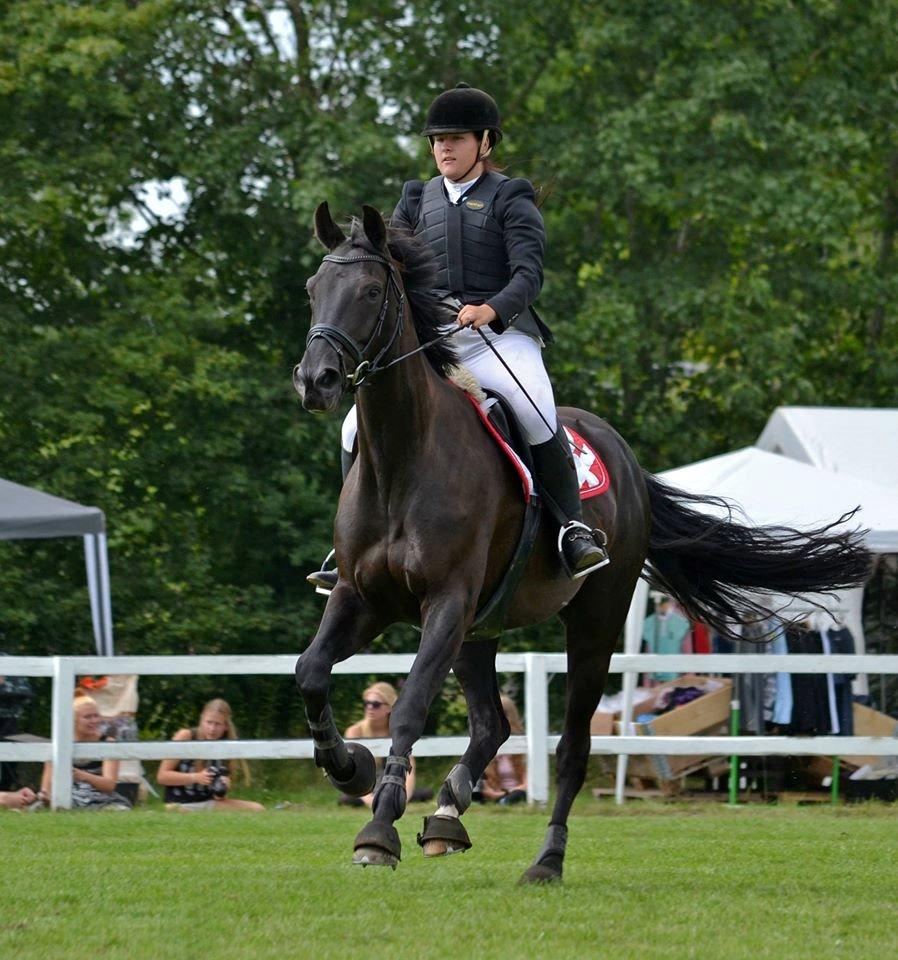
(665, 633)
(810, 709)
(701, 638)
(782, 704)
(756, 691)
(840, 640)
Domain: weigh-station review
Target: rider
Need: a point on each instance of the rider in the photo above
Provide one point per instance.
(489, 240)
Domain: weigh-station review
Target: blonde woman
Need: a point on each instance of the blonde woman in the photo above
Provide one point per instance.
(93, 781)
(505, 779)
(377, 702)
(196, 785)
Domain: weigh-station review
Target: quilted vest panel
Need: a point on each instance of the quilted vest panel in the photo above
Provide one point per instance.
(466, 239)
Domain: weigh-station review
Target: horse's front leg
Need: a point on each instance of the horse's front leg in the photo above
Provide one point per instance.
(443, 623)
(475, 669)
(347, 625)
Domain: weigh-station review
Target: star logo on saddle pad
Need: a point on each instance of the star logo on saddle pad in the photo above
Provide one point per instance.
(591, 471)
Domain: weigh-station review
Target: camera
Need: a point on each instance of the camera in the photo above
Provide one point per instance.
(218, 786)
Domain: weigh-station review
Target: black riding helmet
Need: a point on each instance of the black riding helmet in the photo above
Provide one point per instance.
(463, 109)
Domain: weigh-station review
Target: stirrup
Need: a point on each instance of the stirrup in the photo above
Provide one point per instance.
(324, 580)
(599, 539)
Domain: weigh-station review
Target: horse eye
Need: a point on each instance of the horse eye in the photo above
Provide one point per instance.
(374, 293)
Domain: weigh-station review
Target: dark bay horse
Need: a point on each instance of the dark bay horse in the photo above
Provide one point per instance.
(429, 518)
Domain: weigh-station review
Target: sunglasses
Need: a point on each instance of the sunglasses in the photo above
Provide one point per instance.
(374, 704)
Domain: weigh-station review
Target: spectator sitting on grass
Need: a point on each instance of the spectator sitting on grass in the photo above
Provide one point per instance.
(17, 799)
(94, 781)
(377, 702)
(195, 785)
(505, 779)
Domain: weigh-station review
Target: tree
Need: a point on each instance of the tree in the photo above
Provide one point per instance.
(720, 184)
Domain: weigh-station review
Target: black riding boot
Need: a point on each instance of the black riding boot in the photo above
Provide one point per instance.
(325, 579)
(582, 549)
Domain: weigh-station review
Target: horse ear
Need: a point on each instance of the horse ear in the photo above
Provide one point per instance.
(375, 228)
(328, 233)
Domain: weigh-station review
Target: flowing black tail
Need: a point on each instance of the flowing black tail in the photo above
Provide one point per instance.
(716, 568)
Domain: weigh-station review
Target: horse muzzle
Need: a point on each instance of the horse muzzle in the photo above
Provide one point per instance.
(320, 389)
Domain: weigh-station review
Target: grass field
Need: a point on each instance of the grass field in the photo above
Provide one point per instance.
(642, 883)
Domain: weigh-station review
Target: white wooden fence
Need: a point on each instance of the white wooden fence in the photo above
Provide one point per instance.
(538, 668)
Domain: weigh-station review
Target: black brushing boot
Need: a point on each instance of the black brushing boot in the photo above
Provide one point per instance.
(582, 549)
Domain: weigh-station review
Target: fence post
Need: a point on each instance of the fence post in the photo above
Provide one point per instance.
(626, 729)
(63, 732)
(536, 706)
(735, 723)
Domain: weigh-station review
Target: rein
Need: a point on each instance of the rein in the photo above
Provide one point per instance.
(343, 343)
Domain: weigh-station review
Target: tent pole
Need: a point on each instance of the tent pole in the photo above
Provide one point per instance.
(90, 561)
(105, 595)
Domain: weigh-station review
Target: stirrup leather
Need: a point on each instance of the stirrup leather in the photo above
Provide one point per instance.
(598, 537)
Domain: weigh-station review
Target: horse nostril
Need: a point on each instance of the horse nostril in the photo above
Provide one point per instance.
(327, 379)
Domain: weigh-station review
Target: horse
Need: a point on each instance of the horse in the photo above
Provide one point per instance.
(428, 520)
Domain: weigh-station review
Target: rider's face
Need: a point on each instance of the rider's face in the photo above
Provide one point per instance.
(455, 153)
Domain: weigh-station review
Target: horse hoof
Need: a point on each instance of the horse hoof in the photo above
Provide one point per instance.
(442, 836)
(377, 845)
(373, 857)
(441, 848)
(540, 873)
(364, 776)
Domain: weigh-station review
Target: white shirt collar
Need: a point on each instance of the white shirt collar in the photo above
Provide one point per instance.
(455, 190)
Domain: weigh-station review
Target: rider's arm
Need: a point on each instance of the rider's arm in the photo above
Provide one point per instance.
(525, 246)
(405, 216)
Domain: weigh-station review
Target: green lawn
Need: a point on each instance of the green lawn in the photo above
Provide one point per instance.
(643, 883)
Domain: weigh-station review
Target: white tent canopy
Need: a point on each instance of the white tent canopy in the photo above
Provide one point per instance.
(777, 490)
(27, 514)
(859, 441)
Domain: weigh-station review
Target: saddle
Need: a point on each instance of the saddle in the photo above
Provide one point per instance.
(501, 422)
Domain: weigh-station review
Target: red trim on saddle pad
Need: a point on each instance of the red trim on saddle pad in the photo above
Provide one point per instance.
(591, 471)
(520, 469)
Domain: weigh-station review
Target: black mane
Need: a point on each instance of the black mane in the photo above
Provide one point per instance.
(419, 272)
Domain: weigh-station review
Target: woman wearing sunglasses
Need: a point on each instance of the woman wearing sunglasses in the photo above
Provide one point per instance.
(378, 702)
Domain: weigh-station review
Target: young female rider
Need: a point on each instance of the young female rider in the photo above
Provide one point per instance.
(489, 240)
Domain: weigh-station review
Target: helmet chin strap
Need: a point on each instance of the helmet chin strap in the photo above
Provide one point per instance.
(483, 151)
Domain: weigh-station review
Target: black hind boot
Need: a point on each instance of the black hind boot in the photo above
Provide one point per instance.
(325, 579)
(582, 549)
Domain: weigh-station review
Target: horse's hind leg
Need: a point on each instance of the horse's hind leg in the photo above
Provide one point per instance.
(475, 669)
(347, 626)
(591, 638)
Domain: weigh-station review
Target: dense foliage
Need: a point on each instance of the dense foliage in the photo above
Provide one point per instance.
(720, 183)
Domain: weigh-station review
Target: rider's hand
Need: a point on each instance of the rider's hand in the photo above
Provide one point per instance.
(475, 316)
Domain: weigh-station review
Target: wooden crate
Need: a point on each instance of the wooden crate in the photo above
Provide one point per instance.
(708, 715)
(871, 723)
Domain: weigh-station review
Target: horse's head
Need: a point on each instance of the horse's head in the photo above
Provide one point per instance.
(357, 304)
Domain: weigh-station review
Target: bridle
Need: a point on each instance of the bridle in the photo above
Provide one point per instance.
(343, 343)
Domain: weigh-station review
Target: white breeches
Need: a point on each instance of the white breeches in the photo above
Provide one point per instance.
(524, 355)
